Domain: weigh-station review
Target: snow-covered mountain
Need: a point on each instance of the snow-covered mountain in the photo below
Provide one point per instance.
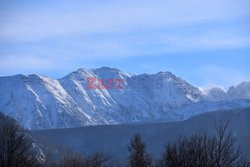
(39, 102)
(215, 94)
(240, 91)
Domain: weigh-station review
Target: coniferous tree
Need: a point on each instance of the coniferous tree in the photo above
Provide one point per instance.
(138, 156)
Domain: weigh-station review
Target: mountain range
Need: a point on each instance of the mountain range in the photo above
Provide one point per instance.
(40, 102)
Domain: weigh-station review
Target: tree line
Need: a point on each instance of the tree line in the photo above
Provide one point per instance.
(198, 150)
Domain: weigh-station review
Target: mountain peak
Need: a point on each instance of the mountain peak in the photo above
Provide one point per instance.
(241, 90)
(166, 74)
(106, 68)
(108, 72)
(215, 94)
(82, 70)
(39, 76)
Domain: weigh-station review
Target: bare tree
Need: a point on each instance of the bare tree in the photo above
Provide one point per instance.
(138, 156)
(203, 150)
(15, 148)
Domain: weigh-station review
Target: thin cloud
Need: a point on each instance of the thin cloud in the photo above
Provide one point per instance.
(112, 16)
(213, 75)
(63, 35)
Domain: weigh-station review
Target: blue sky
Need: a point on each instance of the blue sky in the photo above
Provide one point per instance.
(206, 42)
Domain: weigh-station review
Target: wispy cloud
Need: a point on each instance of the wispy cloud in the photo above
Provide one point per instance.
(60, 34)
(86, 17)
(213, 75)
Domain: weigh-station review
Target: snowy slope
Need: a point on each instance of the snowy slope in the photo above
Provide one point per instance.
(39, 102)
(135, 102)
(194, 109)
